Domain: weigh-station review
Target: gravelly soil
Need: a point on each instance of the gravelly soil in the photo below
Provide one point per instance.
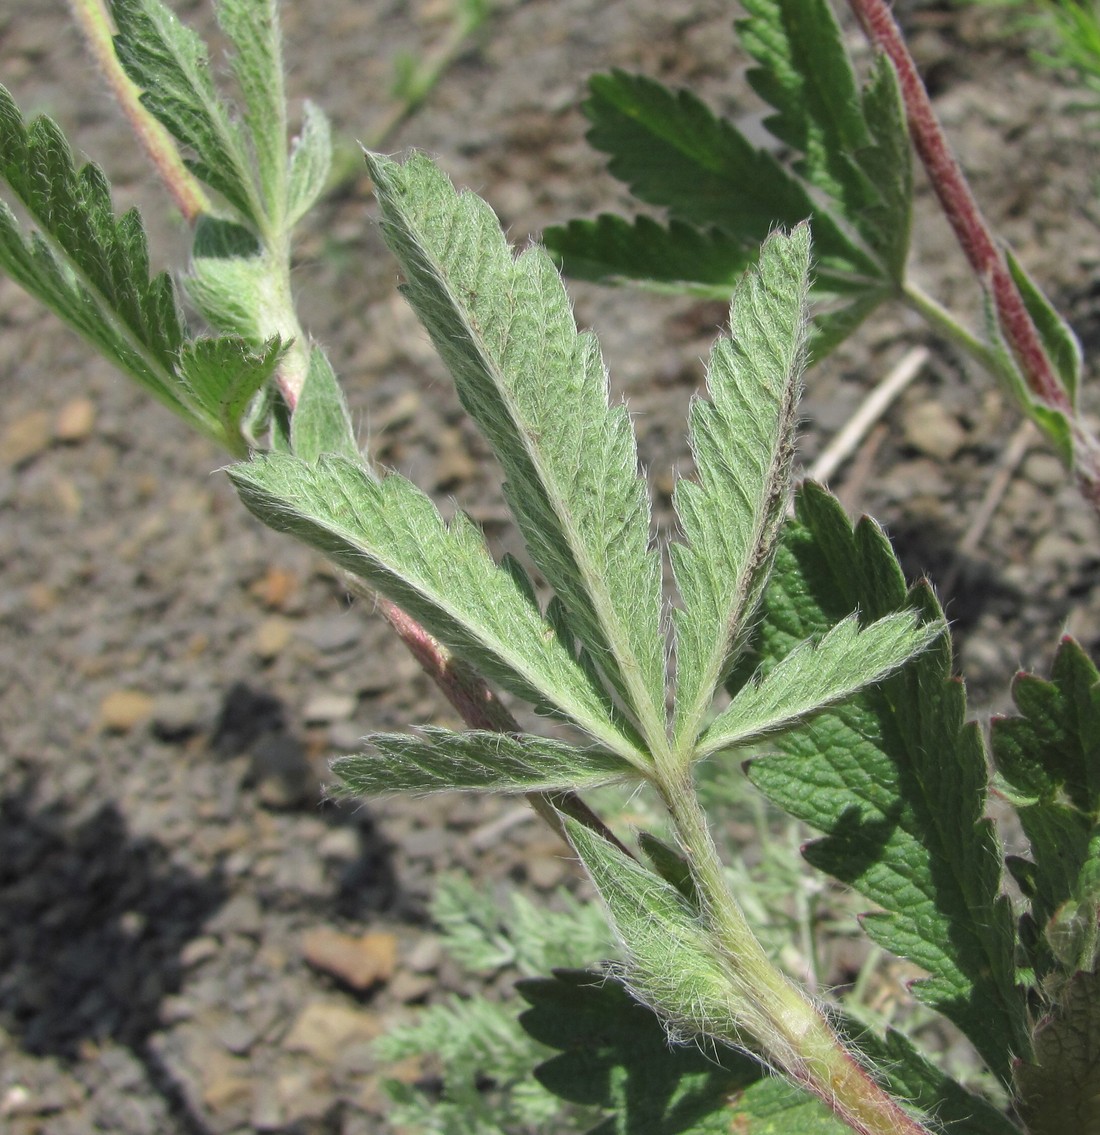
(174, 677)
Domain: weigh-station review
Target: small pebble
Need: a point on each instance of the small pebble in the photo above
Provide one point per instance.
(360, 962)
(75, 420)
(24, 438)
(123, 710)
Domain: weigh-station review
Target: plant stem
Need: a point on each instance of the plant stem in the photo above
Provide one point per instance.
(94, 22)
(978, 242)
(792, 1033)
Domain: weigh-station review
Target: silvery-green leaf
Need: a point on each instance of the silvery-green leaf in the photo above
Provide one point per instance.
(539, 393)
(321, 422)
(441, 760)
(810, 678)
(742, 443)
(391, 535)
(310, 162)
(170, 63)
(253, 28)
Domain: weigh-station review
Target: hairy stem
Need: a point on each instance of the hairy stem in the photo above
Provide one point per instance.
(978, 241)
(792, 1033)
(95, 24)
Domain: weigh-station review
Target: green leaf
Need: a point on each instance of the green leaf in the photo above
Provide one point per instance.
(538, 391)
(806, 75)
(1059, 1092)
(1053, 422)
(321, 421)
(1060, 343)
(897, 780)
(310, 162)
(92, 270)
(440, 760)
(678, 257)
(672, 151)
(615, 1055)
(742, 442)
(1049, 758)
(832, 326)
(887, 163)
(391, 535)
(253, 28)
(223, 375)
(672, 965)
(811, 678)
(170, 63)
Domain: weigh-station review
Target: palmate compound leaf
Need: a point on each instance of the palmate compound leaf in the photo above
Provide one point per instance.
(389, 534)
(169, 62)
(1049, 761)
(673, 152)
(742, 442)
(441, 760)
(92, 269)
(538, 391)
(897, 780)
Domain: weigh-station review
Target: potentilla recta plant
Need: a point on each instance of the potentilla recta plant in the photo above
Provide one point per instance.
(791, 641)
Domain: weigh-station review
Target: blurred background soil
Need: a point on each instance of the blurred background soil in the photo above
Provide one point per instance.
(175, 678)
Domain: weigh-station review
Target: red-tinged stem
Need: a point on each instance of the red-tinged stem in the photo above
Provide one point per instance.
(94, 22)
(480, 708)
(978, 243)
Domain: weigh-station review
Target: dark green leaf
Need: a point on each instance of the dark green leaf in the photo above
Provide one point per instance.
(616, 1055)
(806, 75)
(897, 779)
(678, 257)
(887, 162)
(1049, 757)
(1060, 1092)
(673, 152)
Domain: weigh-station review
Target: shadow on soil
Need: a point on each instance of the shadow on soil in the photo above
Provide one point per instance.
(93, 922)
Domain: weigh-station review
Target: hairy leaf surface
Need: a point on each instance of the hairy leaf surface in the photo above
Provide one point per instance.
(897, 780)
(614, 1054)
(310, 162)
(742, 442)
(170, 64)
(538, 391)
(391, 535)
(321, 422)
(253, 28)
(441, 760)
(1058, 1092)
(811, 678)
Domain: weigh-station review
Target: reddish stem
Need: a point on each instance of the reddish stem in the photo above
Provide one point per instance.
(480, 708)
(961, 209)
